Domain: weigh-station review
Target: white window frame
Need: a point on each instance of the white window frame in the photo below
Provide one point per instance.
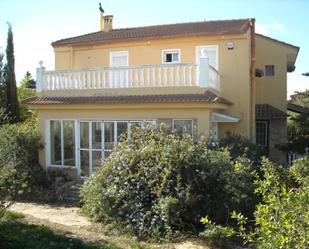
(118, 53)
(183, 119)
(172, 50)
(215, 130)
(77, 138)
(208, 47)
(273, 70)
(48, 147)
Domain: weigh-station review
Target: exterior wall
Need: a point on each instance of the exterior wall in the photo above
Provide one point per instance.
(277, 137)
(234, 67)
(271, 89)
(200, 116)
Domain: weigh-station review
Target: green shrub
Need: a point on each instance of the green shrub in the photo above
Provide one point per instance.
(10, 215)
(215, 235)
(156, 184)
(241, 146)
(281, 219)
(19, 169)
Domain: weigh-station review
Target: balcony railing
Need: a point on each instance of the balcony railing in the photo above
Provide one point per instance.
(162, 75)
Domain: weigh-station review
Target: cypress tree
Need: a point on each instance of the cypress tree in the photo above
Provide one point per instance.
(3, 101)
(12, 107)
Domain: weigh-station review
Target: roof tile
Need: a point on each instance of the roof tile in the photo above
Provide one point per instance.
(208, 96)
(158, 31)
(266, 111)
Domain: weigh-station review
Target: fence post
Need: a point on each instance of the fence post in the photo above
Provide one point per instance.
(39, 77)
(203, 71)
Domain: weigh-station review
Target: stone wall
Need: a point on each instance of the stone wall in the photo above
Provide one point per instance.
(277, 136)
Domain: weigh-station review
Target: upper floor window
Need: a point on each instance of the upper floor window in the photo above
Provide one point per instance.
(119, 59)
(171, 56)
(270, 70)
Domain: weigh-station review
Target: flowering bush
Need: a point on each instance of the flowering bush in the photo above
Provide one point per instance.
(157, 184)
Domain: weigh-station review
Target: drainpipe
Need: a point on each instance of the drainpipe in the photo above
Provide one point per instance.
(252, 79)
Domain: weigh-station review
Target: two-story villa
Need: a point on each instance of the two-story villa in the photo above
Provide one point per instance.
(206, 77)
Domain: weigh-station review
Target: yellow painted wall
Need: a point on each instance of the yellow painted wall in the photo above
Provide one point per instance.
(198, 112)
(272, 89)
(234, 66)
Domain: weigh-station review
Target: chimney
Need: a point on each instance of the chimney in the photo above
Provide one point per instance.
(106, 23)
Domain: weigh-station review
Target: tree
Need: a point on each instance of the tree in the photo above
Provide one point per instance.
(28, 81)
(298, 124)
(12, 104)
(3, 100)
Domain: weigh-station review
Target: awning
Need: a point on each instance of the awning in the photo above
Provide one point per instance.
(223, 118)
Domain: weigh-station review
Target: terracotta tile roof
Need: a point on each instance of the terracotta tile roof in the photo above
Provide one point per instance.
(266, 111)
(297, 108)
(207, 97)
(159, 31)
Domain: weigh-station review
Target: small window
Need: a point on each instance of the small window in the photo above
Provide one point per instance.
(270, 70)
(171, 56)
(183, 125)
(262, 133)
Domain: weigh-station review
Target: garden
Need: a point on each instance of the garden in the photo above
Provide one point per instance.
(157, 186)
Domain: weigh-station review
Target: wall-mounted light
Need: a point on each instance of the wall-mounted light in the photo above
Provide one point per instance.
(230, 45)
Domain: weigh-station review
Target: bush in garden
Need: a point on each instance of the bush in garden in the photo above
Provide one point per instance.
(19, 169)
(156, 184)
(241, 146)
(281, 219)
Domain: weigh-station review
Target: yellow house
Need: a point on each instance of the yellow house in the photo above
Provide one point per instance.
(206, 77)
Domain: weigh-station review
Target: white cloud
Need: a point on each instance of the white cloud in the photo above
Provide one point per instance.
(262, 29)
(280, 28)
(273, 28)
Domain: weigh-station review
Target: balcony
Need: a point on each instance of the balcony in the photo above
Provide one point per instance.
(141, 76)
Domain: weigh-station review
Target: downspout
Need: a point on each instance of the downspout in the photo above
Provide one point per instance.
(252, 79)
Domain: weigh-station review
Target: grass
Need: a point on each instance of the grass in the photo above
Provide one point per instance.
(14, 234)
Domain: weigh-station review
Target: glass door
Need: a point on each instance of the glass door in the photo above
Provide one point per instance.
(98, 140)
(90, 147)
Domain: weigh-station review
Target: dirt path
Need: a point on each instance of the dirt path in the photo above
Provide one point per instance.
(69, 221)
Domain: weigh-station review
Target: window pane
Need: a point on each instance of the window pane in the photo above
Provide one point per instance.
(182, 126)
(269, 70)
(96, 160)
(69, 142)
(96, 135)
(261, 133)
(84, 135)
(55, 142)
(84, 162)
(122, 130)
(107, 153)
(109, 135)
(168, 57)
(175, 57)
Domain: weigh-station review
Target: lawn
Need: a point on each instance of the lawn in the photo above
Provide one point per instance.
(14, 234)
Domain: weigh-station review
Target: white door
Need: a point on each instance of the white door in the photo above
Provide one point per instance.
(90, 147)
(209, 51)
(119, 74)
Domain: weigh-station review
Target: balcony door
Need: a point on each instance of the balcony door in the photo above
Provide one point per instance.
(210, 51)
(119, 74)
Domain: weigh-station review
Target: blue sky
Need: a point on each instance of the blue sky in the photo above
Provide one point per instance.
(36, 23)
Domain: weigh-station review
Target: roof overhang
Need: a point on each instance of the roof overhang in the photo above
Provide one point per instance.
(223, 118)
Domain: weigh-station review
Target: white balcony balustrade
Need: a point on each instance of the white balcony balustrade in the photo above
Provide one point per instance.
(161, 75)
